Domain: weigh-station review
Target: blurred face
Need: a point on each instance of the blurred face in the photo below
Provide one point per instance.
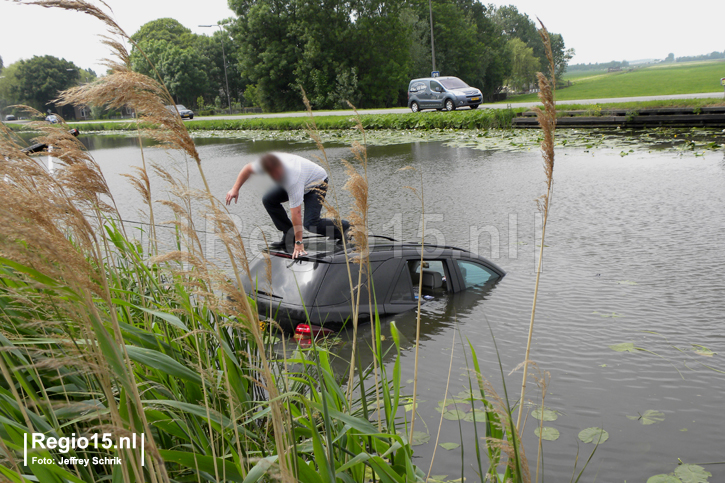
(273, 167)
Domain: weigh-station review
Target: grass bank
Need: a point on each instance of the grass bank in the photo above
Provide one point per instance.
(656, 80)
(484, 119)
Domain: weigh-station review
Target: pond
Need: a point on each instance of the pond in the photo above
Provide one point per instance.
(634, 254)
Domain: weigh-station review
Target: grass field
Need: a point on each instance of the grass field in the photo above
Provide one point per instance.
(668, 79)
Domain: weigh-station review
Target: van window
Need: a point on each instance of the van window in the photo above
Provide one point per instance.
(403, 290)
(474, 274)
(417, 87)
(435, 87)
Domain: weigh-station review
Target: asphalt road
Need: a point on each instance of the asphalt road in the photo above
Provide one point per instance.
(486, 106)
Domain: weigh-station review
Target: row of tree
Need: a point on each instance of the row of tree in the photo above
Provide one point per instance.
(367, 51)
(362, 51)
(37, 81)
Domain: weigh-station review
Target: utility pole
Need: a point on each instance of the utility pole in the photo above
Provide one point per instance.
(224, 58)
(432, 42)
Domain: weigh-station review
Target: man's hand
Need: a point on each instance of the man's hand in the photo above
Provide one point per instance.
(299, 251)
(232, 195)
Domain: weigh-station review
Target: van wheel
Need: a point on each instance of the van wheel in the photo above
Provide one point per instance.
(450, 106)
(414, 107)
(474, 106)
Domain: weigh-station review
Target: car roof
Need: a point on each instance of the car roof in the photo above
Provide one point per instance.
(324, 250)
(435, 78)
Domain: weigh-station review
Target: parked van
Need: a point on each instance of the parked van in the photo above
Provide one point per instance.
(442, 93)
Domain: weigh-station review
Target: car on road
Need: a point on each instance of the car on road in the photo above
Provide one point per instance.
(183, 111)
(10, 117)
(442, 93)
(52, 118)
(315, 289)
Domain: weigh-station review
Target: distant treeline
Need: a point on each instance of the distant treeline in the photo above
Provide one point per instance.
(603, 66)
(710, 56)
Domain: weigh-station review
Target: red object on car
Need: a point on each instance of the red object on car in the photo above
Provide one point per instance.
(307, 331)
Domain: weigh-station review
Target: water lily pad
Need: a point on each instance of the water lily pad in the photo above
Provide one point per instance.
(420, 437)
(545, 415)
(480, 416)
(692, 474)
(450, 401)
(454, 415)
(663, 479)
(626, 282)
(652, 417)
(593, 435)
(449, 446)
(701, 350)
(612, 315)
(623, 347)
(549, 434)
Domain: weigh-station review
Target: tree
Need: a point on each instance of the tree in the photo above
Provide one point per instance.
(171, 49)
(515, 24)
(670, 58)
(1, 64)
(166, 29)
(562, 55)
(210, 48)
(524, 65)
(39, 80)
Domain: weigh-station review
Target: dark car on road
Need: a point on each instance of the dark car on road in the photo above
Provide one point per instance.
(442, 93)
(183, 111)
(10, 117)
(317, 285)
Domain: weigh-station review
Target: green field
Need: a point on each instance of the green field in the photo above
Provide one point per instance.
(656, 80)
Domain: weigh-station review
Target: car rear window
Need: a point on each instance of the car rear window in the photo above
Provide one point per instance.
(293, 281)
(453, 83)
(417, 86)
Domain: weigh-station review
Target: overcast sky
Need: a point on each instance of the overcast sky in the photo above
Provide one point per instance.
(600, 31)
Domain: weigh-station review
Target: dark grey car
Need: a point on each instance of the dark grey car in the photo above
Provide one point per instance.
(442, 93)
(317, 285)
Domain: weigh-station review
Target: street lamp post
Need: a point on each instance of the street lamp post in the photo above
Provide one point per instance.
(224, 58)
(432, 42)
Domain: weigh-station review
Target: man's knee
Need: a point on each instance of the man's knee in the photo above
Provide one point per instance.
(268, 201)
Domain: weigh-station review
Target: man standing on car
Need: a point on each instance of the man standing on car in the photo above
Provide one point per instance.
(299, 181)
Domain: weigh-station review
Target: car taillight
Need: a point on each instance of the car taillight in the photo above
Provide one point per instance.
(306, 332)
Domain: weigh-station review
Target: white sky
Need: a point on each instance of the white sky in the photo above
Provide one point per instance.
(599, 30)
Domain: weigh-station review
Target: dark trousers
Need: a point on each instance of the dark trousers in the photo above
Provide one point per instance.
(311, 220)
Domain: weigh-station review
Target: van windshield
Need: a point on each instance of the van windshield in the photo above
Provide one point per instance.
(453, 83)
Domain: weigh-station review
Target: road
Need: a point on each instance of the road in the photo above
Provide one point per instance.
(401, 110)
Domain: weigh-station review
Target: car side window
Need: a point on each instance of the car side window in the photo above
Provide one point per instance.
(435, 86)
(474, 274)
(403, 290)
(417, 87)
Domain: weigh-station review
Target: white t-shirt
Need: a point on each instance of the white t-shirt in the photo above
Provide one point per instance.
(300, 176)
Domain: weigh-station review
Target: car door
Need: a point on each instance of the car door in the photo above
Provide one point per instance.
(436, 95)
(422, 93)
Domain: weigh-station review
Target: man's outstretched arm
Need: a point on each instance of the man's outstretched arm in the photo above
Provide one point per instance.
(299, 231)
(244, 175)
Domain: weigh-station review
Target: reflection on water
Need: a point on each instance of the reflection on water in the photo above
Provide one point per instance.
(635, 253)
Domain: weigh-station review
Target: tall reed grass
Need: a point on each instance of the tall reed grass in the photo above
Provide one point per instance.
(101, 334)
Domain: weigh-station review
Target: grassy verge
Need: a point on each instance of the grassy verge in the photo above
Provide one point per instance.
(648, 81)
(482, 119)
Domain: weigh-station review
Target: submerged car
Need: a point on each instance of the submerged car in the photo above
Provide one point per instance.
(183, 111)
(442, 93)
(316, 287)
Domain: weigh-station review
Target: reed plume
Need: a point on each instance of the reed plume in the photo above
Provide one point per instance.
(547, 121)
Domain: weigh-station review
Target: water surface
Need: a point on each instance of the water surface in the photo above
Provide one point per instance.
(634, 253)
